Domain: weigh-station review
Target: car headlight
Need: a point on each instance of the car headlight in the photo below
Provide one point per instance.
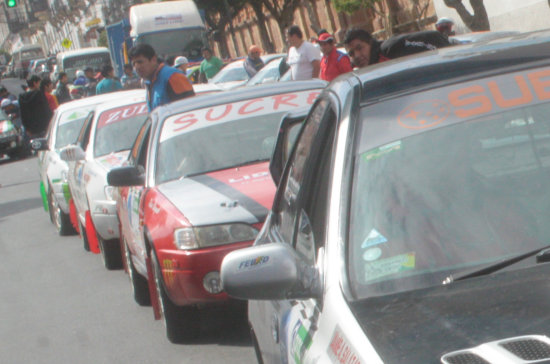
(205, 236)
(110, 192)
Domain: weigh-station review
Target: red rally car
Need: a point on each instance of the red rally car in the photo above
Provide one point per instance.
(196, 186)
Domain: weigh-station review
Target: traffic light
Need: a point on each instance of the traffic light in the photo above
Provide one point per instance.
(11, 3)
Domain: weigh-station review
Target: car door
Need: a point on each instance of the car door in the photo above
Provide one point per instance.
(76, 170)
(131, 197)
(298, 218)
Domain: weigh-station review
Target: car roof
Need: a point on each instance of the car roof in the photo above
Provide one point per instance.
(447, 65)
(71, 105)
(121, 98)
(244, 93)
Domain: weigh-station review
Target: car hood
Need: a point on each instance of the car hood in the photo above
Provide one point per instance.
(113, 160)
(422, 326)
(243, 194)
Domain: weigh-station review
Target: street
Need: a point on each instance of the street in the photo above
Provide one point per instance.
(60, 305)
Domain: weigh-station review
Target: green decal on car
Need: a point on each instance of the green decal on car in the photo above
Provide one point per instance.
(383, 150)
(44, 196)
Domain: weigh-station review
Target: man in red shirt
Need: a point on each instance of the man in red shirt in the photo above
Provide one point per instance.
(334, 62)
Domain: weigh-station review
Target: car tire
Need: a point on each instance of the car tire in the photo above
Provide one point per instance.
(83, 235)
(110, 253)
(140, 286)
(60, 220)
(182, 323)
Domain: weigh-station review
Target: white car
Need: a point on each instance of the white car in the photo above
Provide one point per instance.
(64, 128)
(103, 143)
(234, 74)
(410, 223)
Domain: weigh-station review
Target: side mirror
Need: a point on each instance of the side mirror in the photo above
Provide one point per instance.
(266, 272)
(288, 132)
(72, 153)
(39, 144)
(126, 176)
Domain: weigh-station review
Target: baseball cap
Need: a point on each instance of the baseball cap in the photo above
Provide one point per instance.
(5, 103)
(180, 60)
(325, 37)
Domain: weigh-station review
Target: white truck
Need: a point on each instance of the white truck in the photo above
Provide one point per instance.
(173, 28)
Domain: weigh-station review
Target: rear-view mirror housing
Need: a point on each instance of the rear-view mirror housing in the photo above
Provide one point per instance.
(126, 176)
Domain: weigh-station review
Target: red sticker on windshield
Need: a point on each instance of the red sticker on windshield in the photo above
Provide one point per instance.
(424, 114)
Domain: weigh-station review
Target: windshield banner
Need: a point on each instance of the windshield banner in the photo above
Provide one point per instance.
(197, 119)
(121, 113)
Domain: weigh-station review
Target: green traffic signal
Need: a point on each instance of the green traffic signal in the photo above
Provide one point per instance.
(11, 3)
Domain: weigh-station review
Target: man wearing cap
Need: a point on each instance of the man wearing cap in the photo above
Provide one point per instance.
(181, 63)
(334, 62)
(253, 63)
(303, 57)
(164, 84)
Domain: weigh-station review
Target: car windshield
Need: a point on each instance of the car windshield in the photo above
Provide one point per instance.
(176, 42)
(271, 72)
(231, 73)
(32, 53)
(447, 189)
(117, 128)
(217, 147)
(94, 60)
(69, 125)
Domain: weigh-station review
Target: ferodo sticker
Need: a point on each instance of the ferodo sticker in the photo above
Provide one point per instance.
(196, 119)
(256, 263)
(383, 267)
(121, 113)
(340, 350)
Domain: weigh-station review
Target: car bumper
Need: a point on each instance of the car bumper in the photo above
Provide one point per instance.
(185, 270)
(105, 219)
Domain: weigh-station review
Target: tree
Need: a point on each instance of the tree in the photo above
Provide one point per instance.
(478, 21)
(420, 9)
(385, 9)
(282, 12)
(218, 18)
(102, 40)
(258, 7)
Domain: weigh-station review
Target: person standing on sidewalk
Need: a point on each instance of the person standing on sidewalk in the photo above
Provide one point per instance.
(303, 58)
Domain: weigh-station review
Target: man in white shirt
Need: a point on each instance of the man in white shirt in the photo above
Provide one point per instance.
(303, 57)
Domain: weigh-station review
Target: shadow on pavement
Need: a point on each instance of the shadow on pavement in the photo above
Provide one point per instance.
(14, 207)
(224, 326)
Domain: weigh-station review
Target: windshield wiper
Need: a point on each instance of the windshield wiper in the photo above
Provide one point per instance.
(543, 256)
(226, 167)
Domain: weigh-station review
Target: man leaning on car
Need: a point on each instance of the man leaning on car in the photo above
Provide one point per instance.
(164, 84)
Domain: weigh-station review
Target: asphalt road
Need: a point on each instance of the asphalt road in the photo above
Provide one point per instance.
(60, 305)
